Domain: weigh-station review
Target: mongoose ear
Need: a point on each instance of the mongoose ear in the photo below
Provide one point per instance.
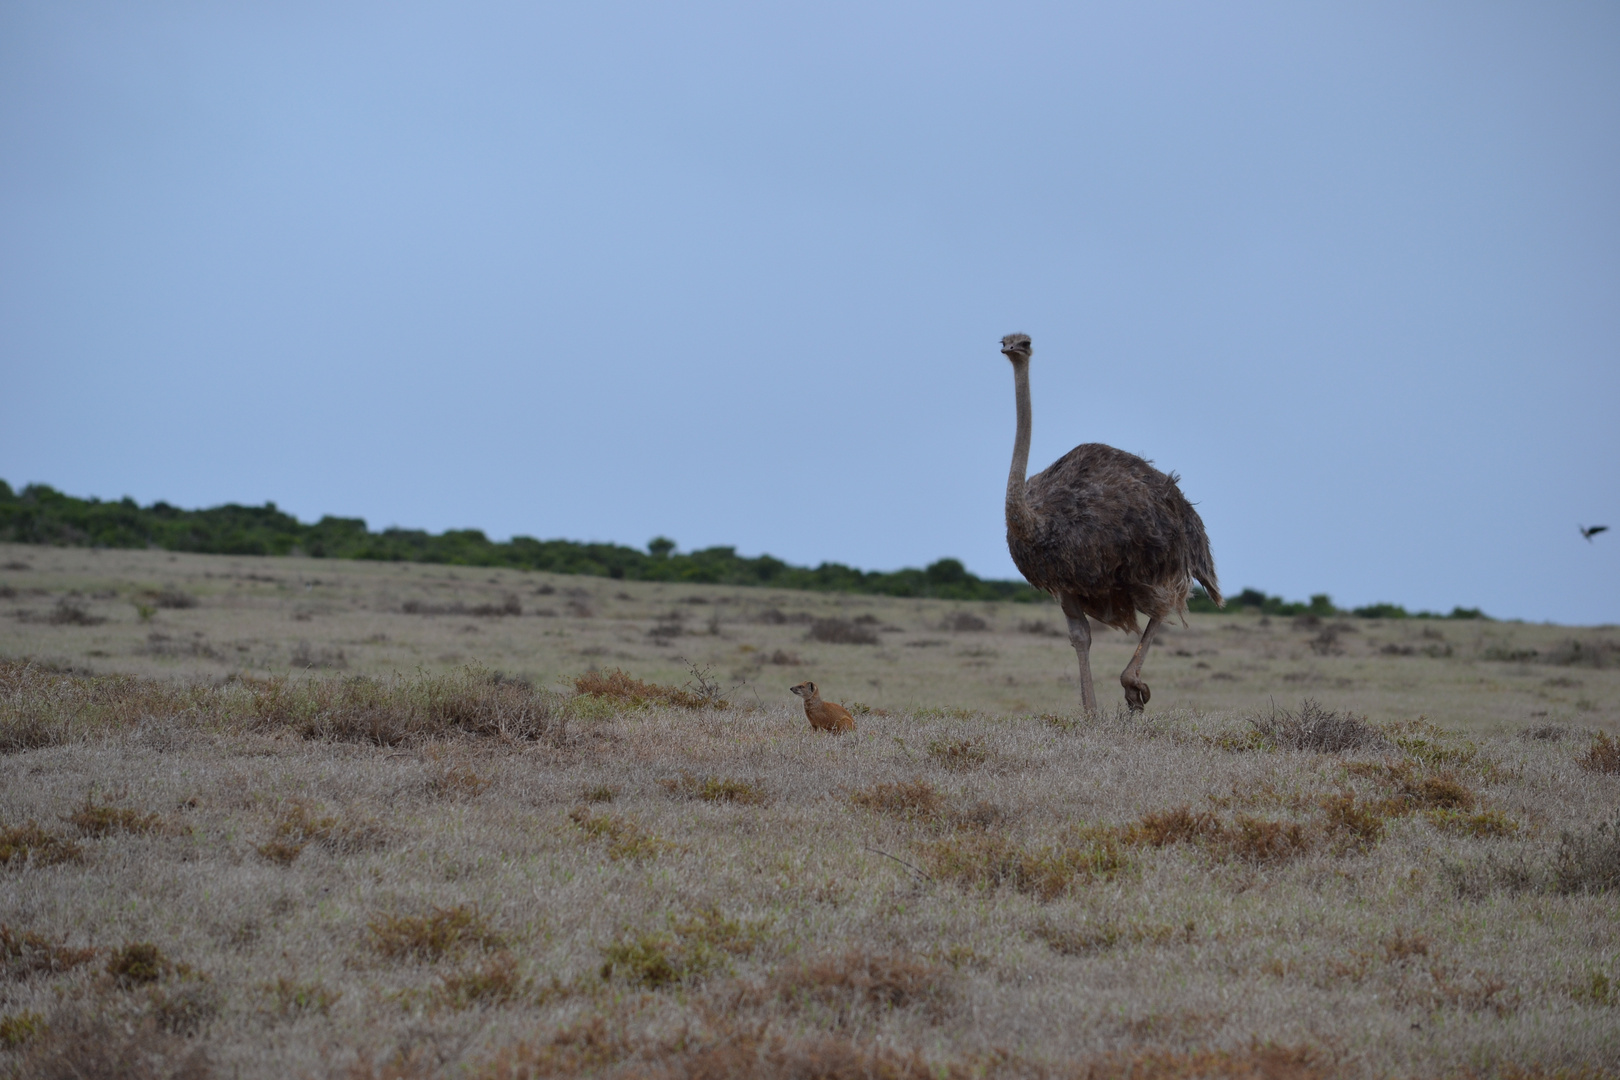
(811, 687)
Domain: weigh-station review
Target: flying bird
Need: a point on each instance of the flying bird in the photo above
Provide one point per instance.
(1591, 532)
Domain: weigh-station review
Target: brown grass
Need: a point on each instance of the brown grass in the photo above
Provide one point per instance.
(443, 932)
(300, 823)
(842, 632)
(716, 789)
(911, 799)
(856, 979)
(39, 707)
(25, 953)
(958, 755)
(1048, 871)
(28, 843)
(1603, 755)
(624, 837)
(619, 687)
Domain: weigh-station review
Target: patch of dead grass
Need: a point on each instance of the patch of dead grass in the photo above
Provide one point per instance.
(442, 932)
(28, 843)
(625, 838)
(991, 860)
(620, 687)
(24, 953)
(716, 789)
(1602, 756)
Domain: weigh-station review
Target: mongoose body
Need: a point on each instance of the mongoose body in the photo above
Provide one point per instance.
(823, 715)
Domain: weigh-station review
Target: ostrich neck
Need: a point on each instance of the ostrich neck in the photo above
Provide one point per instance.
(1019, 517)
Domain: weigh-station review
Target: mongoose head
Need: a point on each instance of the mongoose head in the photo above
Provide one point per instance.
(806, 690)
(1015, 347)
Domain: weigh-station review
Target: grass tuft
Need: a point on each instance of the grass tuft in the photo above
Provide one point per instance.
(1588, 861)
(93, 820)
(1603, 755)
(842, 632)
(716, 789)
(625, 838)
(857, 979)
(958, 755)
(617, 686)
(28, 843)
(914, 800)
(25, 953)
(300, 824)
(444, 932)
(290, 999)
(141, 962)
(19, 1028)
(1312, 727)
(989, 860)
(492, 981)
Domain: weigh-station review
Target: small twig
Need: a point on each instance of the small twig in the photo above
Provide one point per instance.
(901, 861)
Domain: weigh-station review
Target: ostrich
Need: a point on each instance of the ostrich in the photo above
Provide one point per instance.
(1107, 534)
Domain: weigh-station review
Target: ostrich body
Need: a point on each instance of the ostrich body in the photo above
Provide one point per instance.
(1107, 534)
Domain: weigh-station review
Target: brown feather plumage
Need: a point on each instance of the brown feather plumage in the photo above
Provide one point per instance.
(1102, 530)
(1110, 529)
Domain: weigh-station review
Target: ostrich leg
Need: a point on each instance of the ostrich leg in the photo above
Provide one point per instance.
(1080, 638)
(1136, 691)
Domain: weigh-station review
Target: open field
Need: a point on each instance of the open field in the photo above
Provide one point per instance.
(82, 609)
(494, 872)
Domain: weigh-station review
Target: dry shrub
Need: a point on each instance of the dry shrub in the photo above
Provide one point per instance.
(1544, 733)
(1040, 628)
(492, 981)
(1351, 825)
(1573, 652)
(1598, 990)
(964, 622)
(1261, 1061)
(39, 707)
(1176, 826)
(858, 979)
(71, 612)
(28, 843)
(625, 838)
(716, 789)
(93, 820)
(171, 597)
(1247, 838)
(1080, 940)
(990, 860)
(305, 656)
(19, 1028)
(842, 632)
(656, 960)
(509, 605)
(184, 1009)
(1588, 861)
(429, 937)
(1401, 947)
(24, 953)
(619, 686)
(1482, 823)
(1603, 756)
(746, 1055)
(1257, 841)
(141, 962)
(599, 793)
(457, 780)
(958, 755)
(586, 1046)
(473, 701)
(1311, 727)
(79, 1045)
(290, 999)
(301, 823)
(914, 800)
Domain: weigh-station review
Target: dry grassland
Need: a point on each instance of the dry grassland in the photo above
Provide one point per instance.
(206, 616)
(251, 871)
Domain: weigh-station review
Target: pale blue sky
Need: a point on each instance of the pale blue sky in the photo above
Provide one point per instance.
(736, 273)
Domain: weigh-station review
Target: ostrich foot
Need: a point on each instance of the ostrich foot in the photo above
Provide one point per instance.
(1136, 694)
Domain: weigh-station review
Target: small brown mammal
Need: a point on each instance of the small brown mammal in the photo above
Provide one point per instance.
(823, 714)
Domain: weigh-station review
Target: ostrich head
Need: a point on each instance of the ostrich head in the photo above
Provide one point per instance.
(1015, 347)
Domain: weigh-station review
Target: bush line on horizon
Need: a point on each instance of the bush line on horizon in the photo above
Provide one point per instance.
(42, 515)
